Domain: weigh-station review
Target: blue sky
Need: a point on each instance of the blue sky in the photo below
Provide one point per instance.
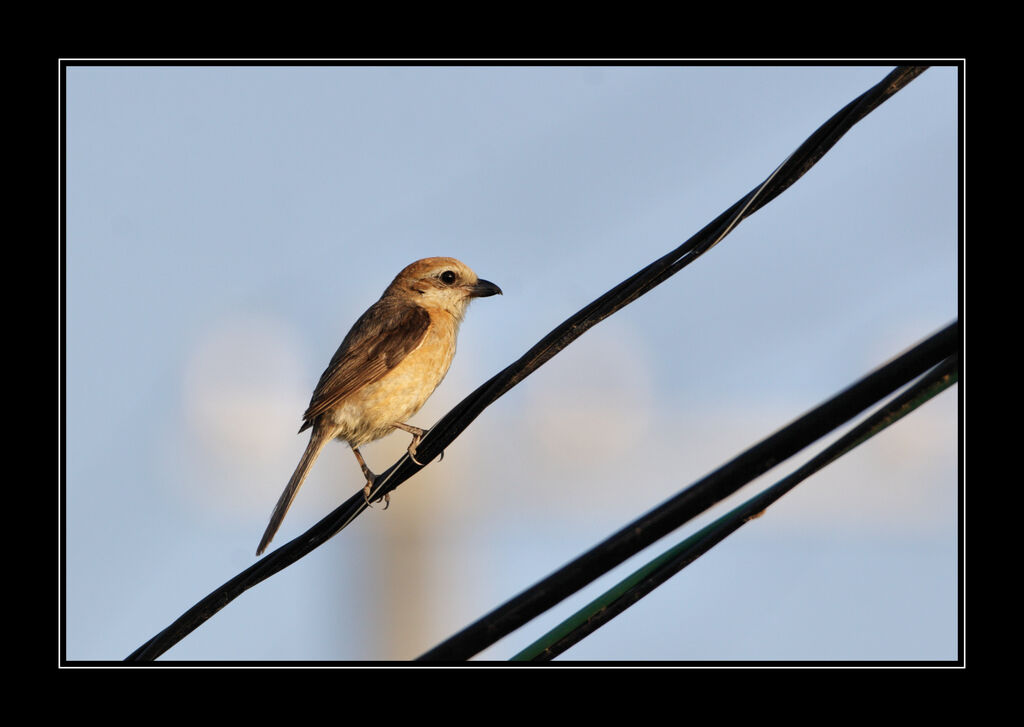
(227, 225)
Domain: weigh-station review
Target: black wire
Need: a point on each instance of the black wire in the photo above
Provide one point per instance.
(933, 381)
(697, 498)
(452, 424)
(798, 163)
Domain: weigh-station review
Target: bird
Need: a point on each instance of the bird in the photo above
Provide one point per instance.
(391, 361)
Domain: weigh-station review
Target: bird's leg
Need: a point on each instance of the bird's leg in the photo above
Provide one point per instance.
(370, 479)
(417, 436)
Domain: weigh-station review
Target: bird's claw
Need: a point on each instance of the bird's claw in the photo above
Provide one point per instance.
(412, 456)
(368, 490)
(416, 439)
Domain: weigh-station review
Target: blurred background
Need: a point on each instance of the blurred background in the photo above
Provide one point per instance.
(227, 225)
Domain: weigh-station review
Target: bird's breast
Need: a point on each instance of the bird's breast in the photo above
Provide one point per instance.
(371, 412)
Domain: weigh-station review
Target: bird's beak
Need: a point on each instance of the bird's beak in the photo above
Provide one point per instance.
(484, 289)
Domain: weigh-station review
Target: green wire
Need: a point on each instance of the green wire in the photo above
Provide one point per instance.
(642, 581)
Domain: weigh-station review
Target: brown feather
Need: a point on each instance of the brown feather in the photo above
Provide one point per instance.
(382, 337)
(316, 442)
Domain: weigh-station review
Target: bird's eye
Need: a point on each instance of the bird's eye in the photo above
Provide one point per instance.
(448, 277)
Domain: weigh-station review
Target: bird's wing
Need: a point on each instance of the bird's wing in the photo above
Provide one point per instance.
(381, 338)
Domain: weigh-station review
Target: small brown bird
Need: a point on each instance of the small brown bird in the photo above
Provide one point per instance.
(387, 367)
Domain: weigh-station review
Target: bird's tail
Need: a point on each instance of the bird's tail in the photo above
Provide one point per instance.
(317, 440)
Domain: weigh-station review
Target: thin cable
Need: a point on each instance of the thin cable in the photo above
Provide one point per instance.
(642, 582)
(694, 500)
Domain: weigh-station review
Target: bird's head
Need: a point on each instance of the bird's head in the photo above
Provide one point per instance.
(441, 282)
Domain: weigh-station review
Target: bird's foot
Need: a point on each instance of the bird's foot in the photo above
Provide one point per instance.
(417, 437)
(368, 490)
(412, 452)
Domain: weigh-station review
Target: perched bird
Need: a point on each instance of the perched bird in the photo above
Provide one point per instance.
(387, 367)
